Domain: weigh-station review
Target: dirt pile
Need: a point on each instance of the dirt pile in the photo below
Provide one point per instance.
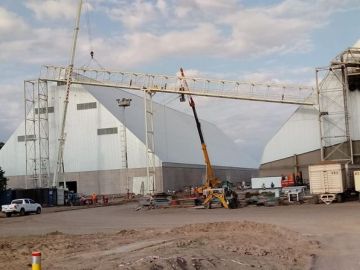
(222, 245)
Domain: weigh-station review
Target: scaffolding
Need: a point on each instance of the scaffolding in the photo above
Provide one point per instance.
(149, 141)
(124, 103)
(151, 84)
(31, 166)
(333, 85)
(36, 136)
(43, 132)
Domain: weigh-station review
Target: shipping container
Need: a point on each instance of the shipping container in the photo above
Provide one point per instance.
(44, 196)
(328, 181)
(327, 178)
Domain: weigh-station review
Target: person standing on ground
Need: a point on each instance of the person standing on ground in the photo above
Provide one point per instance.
(94, 198)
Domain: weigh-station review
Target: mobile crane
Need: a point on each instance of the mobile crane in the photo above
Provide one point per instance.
(212, 189)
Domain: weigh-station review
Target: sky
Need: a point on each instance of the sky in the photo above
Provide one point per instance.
(264, 41)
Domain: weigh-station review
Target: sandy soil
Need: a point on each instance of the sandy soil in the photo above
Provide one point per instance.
(334, 226)
(220, 245)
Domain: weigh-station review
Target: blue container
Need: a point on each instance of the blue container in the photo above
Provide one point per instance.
(6, 197)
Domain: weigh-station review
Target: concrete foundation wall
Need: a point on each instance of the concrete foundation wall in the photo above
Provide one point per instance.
(100, 182)
(171, 176)
(177, 176)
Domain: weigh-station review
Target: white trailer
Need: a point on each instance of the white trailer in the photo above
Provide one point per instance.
(327, 181)
(357, 181)
(265, 182)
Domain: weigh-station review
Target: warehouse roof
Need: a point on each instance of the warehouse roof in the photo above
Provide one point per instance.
(176, 137)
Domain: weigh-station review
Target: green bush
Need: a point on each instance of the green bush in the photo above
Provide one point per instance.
(3, 181)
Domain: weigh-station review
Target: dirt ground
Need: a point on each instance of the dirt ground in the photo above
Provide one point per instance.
(221, 245)
(118, 237)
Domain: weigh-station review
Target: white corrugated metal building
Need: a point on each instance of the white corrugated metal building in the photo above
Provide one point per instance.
(92, 157)
(298, 143)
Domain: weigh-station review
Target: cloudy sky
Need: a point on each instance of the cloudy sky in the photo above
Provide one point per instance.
(280, 41)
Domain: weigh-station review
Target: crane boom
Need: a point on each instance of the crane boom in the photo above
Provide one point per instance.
(212, 190)
(60, 155)
(211, 180)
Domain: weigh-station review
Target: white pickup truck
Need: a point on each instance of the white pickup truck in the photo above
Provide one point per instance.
(22, 207)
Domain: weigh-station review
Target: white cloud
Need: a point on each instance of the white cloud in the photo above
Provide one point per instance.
(182, 11)
(239, 31)
(283, 75)
(136, 13)
(37, 46)
(195, 28)
(162, 6)
(153, 30)
(52, 9)
(204, 9)
(138, 48)
(216, 5)
(318, 9)
(11, 25)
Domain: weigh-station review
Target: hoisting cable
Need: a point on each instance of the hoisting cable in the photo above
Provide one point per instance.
(88, 27)
(90, 37)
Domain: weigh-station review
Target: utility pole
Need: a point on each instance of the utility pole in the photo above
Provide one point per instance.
(124, 103)
(60, 155)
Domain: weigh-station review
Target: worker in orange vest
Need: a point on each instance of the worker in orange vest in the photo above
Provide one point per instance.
(94, 198)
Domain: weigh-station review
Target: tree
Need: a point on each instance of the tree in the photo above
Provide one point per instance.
(3, 181)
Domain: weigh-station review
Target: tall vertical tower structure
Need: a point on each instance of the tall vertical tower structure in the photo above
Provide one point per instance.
(36, 136)
(337, 90)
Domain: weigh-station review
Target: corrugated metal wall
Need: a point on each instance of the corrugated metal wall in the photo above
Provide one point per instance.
(300, 134)
(177, 176)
